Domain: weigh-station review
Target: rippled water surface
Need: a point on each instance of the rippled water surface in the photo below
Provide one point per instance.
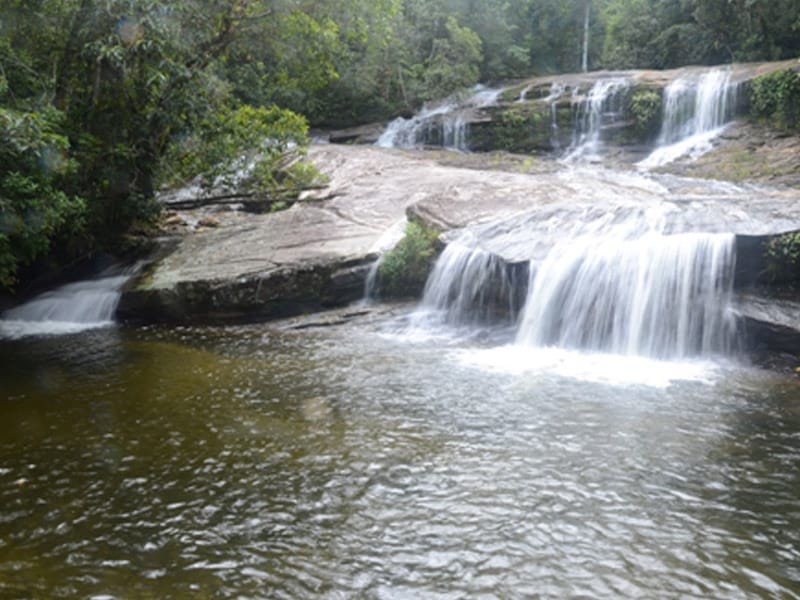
(348, 462)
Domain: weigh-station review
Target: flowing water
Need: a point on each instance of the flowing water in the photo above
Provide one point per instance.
(253, 462)
(696, 110)
(70, 308)
(444, 124)
(600, 110)
(663, 296)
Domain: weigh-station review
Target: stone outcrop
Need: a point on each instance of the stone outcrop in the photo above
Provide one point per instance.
(316, 254)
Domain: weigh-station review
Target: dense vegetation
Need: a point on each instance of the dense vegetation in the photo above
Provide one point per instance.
(103, 102)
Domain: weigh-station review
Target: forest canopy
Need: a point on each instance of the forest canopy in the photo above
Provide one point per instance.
(102, 102)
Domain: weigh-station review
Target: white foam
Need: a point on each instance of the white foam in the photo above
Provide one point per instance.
(613, 369)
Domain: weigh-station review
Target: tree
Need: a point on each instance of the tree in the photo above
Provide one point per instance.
(114, 87)
(454, 61)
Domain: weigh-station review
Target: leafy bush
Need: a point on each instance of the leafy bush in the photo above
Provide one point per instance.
(34, 211)
(782, 255)
(404, 269)
(272, 141)
(645, 106)
(776, 97)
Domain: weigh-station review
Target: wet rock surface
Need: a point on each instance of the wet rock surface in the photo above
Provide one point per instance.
(747, 152)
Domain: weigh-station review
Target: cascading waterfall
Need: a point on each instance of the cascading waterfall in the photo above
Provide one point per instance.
(468, 286)
(523, 95)
(601, 109)
(557, 89)
(445, 124)
(386, 242)
(70, 308)
(628, 289)
(661, 296)
(696, 110)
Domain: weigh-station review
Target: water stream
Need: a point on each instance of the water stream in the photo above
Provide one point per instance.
(70, 308)
(600, 110)
(445, 124)
(696, 110)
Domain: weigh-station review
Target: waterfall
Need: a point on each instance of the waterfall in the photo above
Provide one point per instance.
(623, 288)
(445, 124)
(390, 238)
(662, 296)
(696, 109)
(468, 286)
(523, 95)
(557, 89)
(601, 109)
(70, 308)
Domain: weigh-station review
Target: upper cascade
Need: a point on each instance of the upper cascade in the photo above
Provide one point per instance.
(602, 108)
(444, 124)
(589, 117)
(696, 110)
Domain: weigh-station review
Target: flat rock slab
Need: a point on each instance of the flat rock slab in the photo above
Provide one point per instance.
(316, 253)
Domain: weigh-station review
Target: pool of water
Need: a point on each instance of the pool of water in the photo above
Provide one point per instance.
(356, 461)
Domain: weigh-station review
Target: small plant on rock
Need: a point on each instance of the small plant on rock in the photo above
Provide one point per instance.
(404, 269)
(782, 254)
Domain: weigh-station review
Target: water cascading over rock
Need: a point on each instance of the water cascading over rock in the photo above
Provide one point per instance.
(662, 296)
(70, 308)
(696, 110)
(468, 287)
(445, 124)
(601, 109)
(629, 289)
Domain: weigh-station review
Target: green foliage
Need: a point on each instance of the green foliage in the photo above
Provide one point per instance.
(404, 269)
(227, 140)
(645, 107)
(106, 101)
(454, 61)
(782, 254)
(671, 33)
(34, 211)
(522, 128)
(775, 98)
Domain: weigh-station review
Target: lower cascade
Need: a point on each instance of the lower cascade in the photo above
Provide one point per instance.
(73, 307)
(468, 286)
(654, 295)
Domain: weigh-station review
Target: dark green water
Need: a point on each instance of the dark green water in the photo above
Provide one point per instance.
(346, 463)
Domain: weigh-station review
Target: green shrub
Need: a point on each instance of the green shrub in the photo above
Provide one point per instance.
(775, 98)
(782, 254)
(404, 269)
(35, 213)
(645, 107)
